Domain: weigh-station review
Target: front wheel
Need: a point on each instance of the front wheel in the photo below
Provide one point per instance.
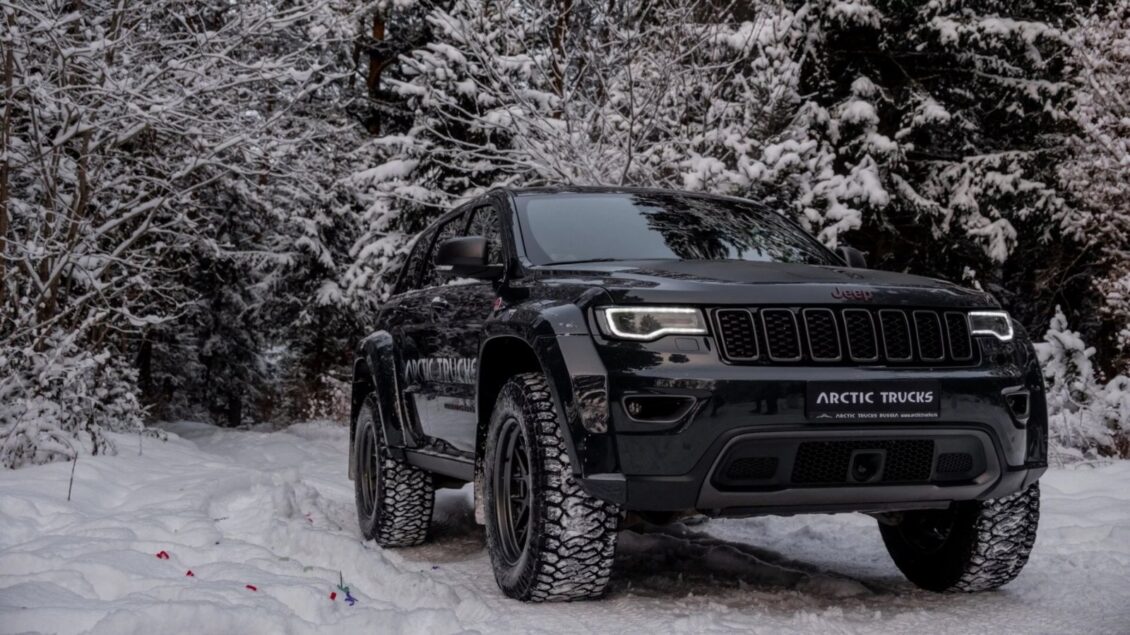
(972, 546)
(548, 539)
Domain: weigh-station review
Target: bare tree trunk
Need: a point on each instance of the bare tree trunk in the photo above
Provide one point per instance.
(560, 32)
(5, 133)
(77, 214)
(115, 30)
(376, 65)
(145, 369)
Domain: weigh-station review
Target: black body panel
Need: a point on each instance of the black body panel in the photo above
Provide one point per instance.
(719, 421)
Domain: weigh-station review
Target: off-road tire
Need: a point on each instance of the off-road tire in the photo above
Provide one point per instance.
(972, 546)
(571, 535)
(395, 507)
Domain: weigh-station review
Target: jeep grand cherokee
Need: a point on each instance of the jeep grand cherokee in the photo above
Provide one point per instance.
(589, 355)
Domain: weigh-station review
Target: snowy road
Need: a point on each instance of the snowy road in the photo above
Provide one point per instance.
(275, 511)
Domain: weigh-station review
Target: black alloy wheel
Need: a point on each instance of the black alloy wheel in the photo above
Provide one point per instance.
(548, 539)
(368, 476)
(512, 482)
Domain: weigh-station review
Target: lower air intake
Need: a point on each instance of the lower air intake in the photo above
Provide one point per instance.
(828, 462)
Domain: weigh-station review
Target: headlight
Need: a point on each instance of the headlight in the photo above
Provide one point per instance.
(648, 323)
(995, 323)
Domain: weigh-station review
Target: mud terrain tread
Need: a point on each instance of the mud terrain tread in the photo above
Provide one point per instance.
(405, 499)
(574, 551)
(406, 505)
(987, 547)
(1004, 534)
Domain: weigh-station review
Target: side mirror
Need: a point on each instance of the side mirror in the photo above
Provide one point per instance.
(467, 257)
(852, 257)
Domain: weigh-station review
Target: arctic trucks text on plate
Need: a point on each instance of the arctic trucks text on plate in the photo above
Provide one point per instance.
(589, 355)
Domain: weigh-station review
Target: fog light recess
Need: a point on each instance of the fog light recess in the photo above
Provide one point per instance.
(1018, 404)
(657, 408)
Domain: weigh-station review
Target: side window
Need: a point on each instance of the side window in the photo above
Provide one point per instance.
(484, 222)
(410, 275)
(450, 229)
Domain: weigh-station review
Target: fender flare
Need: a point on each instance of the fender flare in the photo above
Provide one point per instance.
(376, 376)
(563, 347)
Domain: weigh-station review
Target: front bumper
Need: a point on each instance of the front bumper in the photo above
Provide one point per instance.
(680, 465)
(704, 489)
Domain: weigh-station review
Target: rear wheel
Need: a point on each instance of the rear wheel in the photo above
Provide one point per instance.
(972, 546)
(394, 499)
(548, 539)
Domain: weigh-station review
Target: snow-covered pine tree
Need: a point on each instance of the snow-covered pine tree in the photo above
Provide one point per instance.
(952, 115)
(277, 228)
(157, 171)
(1099, 171)
(1085, 415)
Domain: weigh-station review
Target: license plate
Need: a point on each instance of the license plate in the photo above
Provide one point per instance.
(874, 400)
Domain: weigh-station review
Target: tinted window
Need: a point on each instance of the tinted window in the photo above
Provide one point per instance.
(450, 229)
(659, 226)
(410, 275)
(484, 222)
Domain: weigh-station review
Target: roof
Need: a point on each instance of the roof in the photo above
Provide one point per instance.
(595, 189)
(614, 189)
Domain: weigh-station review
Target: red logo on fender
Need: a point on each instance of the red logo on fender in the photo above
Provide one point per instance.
(859, 295)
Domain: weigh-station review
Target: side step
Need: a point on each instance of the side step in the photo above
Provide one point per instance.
(440, 464)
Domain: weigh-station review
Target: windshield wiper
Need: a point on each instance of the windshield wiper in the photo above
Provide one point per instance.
(581, 262)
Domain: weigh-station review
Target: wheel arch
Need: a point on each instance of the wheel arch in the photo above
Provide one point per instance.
(375, 376)
(362, 386)
(500, 358)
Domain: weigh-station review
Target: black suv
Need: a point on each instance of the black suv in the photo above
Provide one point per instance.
(591, 357)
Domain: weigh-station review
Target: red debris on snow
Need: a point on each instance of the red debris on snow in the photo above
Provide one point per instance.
(251, 587)
(333, 595)
(163, 555)
(190, 574)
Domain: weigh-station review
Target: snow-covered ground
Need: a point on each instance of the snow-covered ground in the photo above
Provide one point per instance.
(275, 511)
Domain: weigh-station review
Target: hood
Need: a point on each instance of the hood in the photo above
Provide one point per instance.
(714, 282)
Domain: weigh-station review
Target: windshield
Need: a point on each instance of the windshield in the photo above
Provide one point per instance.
(580, 227)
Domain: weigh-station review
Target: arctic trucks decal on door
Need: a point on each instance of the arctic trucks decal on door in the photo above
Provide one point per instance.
(444, 370)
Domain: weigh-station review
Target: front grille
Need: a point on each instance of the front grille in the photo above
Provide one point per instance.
(928, 331)
(782, 335)
(957, 325)
(896, 336)
(854, 335)
(738, 333)
(828, 462)
(823, 336)
(863, 344)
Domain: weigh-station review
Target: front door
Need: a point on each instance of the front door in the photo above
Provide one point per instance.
(459, 308)
(442, 338)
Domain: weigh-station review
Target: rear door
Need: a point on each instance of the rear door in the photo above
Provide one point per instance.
(399, 316)
(436, 370)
